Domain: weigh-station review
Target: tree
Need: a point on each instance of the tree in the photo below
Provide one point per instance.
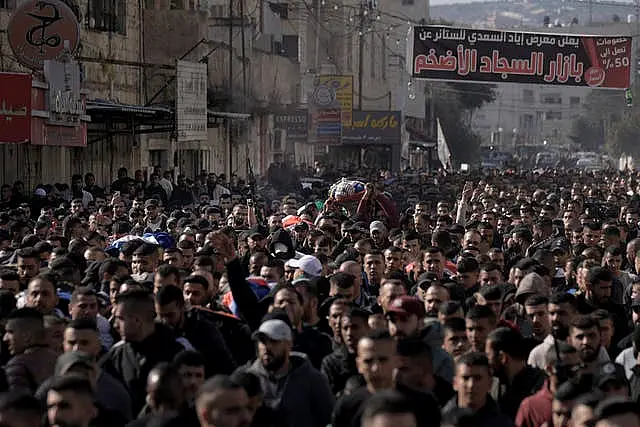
(587, 134)
(623, 136)
(453, 102)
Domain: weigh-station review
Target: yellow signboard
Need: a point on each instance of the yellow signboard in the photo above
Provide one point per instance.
(342, 86)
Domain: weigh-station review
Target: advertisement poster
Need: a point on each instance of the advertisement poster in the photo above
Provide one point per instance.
(493, 56)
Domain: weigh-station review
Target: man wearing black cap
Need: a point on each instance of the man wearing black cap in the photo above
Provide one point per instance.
(611, 380)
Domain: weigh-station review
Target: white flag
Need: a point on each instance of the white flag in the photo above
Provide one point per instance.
(444, 155)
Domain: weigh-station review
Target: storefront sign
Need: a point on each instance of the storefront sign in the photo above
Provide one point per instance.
(459, 54)
(295, 123)
(66, 106)
(43, 30)
(191, 101)
(342, 89)
(374, 127)
(15, 108)
(325, 126)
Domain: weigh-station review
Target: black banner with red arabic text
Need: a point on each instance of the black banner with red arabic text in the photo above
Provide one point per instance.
(493, 56)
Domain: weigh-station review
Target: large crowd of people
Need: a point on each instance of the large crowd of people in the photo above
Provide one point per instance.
(465, 300)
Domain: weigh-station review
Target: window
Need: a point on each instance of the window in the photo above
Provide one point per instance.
(107, 15)
(219, 11)
(526, 121)
(574, 100)
(553, 115)
(383, 61)
(280, 9)
(527, 96)
(407, 2)
(277, 140)
(176, 4)
(8, 4)
(552, 98)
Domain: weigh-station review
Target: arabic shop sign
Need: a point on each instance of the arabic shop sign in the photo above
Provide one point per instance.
(295, 123)
(459, 54)
(43, 30)
(15, 108)
(374, 127)
(66, 106)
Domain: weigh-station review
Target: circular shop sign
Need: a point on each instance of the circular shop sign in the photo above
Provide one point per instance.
(40, 29)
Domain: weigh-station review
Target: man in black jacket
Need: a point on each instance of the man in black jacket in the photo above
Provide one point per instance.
(202, 334)
(507, 355)
(597, 295)
(472, 384)
(144, 344)
(340, 365)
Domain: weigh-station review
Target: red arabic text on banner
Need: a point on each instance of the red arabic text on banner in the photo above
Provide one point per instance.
(494, 56)
(15, 108)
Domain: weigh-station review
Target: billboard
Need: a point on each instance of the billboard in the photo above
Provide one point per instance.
(191, 101)
(295, 123)
(342, 88)
(374, 128)
(66, 106)
(494, 56)
(15, 108)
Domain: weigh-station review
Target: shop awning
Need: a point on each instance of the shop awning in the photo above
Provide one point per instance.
(106, 108)
(114, 118)
(226, 115)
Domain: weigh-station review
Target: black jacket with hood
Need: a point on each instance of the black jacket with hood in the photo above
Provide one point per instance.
(131, 362)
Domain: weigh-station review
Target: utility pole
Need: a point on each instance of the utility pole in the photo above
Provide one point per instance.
(244, 68)
(360, 54)
(229, 129)
(231, 50)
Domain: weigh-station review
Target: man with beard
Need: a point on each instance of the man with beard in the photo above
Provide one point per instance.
(293, 389)
(507, 354)
(562, 364)
(70, 402)
(537, 308)
(406, 320)
(192, 326)
(561, 309)
(584, 335)
(597, 295)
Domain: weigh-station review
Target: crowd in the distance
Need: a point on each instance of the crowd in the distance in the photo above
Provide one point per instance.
(509, 299)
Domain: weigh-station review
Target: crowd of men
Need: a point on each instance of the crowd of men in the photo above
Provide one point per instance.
(508, 299)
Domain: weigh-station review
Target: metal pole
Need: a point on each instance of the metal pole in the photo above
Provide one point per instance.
(360, 55)
(172, 78)
(244, 68)
(231, 51)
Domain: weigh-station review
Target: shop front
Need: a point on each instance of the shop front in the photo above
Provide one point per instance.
(373, 141)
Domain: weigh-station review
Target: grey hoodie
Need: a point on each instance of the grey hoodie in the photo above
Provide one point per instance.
(300, 398)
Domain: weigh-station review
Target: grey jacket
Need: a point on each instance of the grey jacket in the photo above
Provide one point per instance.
(300, 398)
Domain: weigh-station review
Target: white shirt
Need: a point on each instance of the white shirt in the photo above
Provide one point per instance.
(538, 356)
(628, 360)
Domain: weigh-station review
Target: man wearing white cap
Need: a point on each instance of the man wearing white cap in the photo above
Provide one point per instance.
(308, 266)
(378, 232)
(293, 389)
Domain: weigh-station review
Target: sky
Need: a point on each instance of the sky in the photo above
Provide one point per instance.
(442, 2)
